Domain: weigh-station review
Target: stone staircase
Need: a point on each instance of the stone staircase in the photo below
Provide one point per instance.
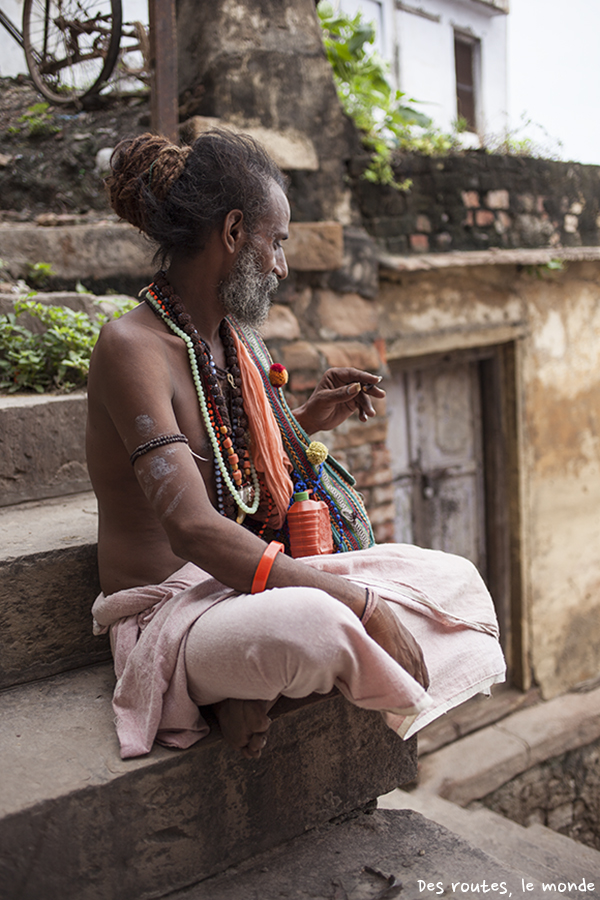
(78, 822)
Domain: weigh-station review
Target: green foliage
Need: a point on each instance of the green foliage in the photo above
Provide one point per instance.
(37, 121)
(378, 110)
(39, 273)
(549, 268)
(58, 357)
(367, 96)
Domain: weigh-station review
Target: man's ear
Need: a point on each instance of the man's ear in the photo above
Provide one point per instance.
(233, 233)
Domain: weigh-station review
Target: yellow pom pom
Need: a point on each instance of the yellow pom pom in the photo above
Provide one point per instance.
(317, 453)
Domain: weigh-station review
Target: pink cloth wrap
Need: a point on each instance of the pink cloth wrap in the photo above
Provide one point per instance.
(441, 598)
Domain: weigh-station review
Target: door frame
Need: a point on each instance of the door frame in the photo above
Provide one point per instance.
(497, 371)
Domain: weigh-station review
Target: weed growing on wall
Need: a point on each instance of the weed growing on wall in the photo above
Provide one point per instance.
(55, 356)
(379, 111)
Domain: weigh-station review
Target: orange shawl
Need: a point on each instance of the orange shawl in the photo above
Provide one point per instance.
(270, 459)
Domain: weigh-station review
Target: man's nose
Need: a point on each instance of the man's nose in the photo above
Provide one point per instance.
(281, 266)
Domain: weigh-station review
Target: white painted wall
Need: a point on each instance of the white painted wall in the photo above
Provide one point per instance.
(421, 54)
(550, 75)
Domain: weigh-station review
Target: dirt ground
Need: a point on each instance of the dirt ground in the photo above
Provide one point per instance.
(48, 154)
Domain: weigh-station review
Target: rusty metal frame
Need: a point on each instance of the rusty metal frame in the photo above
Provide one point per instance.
(164, 112)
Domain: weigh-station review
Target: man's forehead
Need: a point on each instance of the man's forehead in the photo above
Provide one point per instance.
(277, 217)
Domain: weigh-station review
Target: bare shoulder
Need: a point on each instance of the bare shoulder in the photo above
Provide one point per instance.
(131, 349)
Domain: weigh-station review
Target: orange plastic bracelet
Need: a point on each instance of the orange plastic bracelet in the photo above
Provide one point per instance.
(263, 569)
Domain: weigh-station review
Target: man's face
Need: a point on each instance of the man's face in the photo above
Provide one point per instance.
(261, 264)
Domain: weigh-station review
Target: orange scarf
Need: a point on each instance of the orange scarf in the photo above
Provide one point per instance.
(270, 459)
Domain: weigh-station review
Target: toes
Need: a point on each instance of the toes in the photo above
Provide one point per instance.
(255, 745)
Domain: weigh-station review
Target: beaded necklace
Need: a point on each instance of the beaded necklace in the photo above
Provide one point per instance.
(238, 476)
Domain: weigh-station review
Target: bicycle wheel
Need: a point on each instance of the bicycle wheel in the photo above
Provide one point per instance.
(71, 46)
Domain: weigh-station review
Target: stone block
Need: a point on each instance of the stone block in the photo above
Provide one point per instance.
(571, 224)
(372, 478)
(79, 823)
(289, 149)
(351, 353)
(383, 494)
(345, 315)
(48, 582)
(381, 515)
(77, 251)
(282, 324)
(474, 766)
(443, 240)
(557, 726)
(315, 246)
(360, 266)
(470, 199)
(484, 218)
(419, 243)
(385, 532)
(303, 381)
(301, 355)
(423, 224)
(42, 446)
(497, 199)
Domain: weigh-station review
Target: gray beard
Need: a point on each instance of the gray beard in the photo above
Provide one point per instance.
(247, 292)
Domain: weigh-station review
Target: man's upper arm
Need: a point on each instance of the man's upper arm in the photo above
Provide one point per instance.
(132, 381)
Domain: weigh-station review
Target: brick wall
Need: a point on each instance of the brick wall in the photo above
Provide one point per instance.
(477, 201)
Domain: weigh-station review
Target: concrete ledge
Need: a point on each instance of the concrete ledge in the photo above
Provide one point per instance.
(42, 446)
(478, 764)
(104, 251)
(78, 822)
(48, 582)
(393, 266)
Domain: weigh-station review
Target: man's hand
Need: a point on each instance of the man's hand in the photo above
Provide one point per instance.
(385, 628)
(339, 393)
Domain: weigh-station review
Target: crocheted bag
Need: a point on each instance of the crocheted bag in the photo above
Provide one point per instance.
(350, 524)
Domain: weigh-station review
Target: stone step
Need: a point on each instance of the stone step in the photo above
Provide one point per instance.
(368, 856)
(105, 251)
(48, 582)
(42, 446)
(530, 851)
(79, 823)
(560, 844)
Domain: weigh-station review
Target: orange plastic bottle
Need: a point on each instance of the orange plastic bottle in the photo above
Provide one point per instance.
(310, 527)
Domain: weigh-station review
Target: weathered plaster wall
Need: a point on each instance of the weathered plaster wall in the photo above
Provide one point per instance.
(555, 321)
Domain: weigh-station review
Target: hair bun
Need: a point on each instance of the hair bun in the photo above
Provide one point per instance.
(143, 170)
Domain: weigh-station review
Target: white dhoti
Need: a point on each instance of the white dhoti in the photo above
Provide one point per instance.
(191, 641)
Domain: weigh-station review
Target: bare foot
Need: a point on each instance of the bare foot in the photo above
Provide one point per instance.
(244, 724)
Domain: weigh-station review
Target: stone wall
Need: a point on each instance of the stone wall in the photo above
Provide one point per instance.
(562, 793)
(476, 201)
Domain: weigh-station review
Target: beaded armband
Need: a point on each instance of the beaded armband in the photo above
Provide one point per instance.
(161, 441)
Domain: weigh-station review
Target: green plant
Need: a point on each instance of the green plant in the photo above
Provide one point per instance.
(38, 274)
(379, 111)
(58, 357)
(552, 266)
(37, 121)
